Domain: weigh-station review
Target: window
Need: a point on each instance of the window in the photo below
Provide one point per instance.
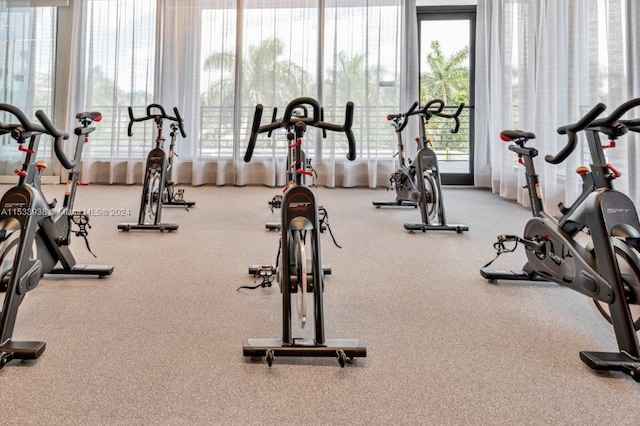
(119, 71)
(27, 71)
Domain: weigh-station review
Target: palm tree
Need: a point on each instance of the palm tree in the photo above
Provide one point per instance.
(447, 78)
(352, 79)
(266, 78)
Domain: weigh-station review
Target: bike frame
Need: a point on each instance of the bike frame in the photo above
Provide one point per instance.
(300, 219)
(157, 163)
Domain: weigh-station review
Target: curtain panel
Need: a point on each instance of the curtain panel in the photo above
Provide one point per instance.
(216, 59)
(27, 74)
(542, 64)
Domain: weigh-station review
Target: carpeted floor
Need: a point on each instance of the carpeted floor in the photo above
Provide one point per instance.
(160, 341)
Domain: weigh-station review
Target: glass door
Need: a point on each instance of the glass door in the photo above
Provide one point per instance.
(447, 39)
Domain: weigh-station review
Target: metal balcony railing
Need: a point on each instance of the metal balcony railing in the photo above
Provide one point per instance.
(215, 137)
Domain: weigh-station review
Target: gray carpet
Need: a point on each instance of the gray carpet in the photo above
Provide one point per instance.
(160, 341)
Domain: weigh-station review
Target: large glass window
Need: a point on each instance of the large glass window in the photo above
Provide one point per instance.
(361, 64)
(216, 59)
(279, 63)
(217, 80)
(119, 71)
(281, 59)
(27, 71)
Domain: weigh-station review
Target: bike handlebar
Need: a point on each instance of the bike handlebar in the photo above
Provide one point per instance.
(455, 116)
(315, 120)
(617, 114)
(396, 117)
(570, 130)
(59, 136)
(180, 122)
(428, 111)
(633, 125)
(151, 116)
(46, 128)
(255, 129)
(26, 124)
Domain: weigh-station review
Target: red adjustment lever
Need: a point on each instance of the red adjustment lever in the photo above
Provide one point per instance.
(616, 174)
(86, 139)
(20, 172)
(297, 144)
(520, 160)
(304, 172)
(23, 149)
(612, 144)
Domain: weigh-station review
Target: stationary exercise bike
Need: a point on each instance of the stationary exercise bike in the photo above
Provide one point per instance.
(593, 248)
(612, 128)
(158, 188)
(418, 184)
(34, 236)
(300, 270)
(308, 177)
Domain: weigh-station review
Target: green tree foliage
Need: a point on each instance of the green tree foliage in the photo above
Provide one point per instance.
(266, 77)
(447, 77)
(350, 79)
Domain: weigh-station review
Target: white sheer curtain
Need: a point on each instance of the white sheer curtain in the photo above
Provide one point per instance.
(542, 64)
(216, 59)
(27, 74)
(113, 61)
(279, 59)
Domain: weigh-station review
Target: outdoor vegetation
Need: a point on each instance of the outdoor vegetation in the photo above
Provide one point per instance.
(447, 78)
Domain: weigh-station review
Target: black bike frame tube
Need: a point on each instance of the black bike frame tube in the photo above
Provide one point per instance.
(285, 284)
(318, 285)
(159, 137)
(621, 318)
(158, 201)
(440, 201)
(29, 165)
(598, 164)
(172, 143)
(11, 305)
(72, 181)
(533, 185)
(599, 177)
(297, 151)
(28, 225)
(422, 190)
(400, 149)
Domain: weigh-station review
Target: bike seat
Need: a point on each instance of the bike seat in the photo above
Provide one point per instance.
(516, 135)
